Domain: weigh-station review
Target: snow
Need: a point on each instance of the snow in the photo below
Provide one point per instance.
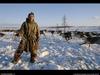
(54, 53)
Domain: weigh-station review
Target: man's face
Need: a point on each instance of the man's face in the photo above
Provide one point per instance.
(31, 17)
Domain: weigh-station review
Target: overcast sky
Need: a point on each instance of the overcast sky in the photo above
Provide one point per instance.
(50, 14)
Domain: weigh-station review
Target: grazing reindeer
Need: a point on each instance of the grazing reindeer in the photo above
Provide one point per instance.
(91, 40)
(79, 34)
(52, 32)
(42, 32)
(1, 34)
(67, 35)
(59, 32)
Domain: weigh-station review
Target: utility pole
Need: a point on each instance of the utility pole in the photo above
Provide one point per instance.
(64, 23)
(57, 28)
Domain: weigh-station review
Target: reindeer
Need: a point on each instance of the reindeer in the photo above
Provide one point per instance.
(67, 35)
(2, 34)
(42, 32)
(90, 39)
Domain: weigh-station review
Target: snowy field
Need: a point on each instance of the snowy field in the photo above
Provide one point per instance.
(54, 54)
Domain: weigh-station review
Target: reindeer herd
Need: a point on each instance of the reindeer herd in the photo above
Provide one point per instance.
(89, 37)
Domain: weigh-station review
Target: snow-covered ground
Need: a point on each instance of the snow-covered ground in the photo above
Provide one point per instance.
(54, 54)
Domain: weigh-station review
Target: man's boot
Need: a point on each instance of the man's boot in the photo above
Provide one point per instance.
(33, 57)
(16, 58)
(14, 61)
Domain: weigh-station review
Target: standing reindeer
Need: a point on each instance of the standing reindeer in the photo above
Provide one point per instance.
(90, 39)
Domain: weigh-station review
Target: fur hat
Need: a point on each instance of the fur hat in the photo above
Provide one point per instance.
(31, 13)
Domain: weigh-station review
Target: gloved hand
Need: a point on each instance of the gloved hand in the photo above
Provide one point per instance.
(16, 34)
(37, 39)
